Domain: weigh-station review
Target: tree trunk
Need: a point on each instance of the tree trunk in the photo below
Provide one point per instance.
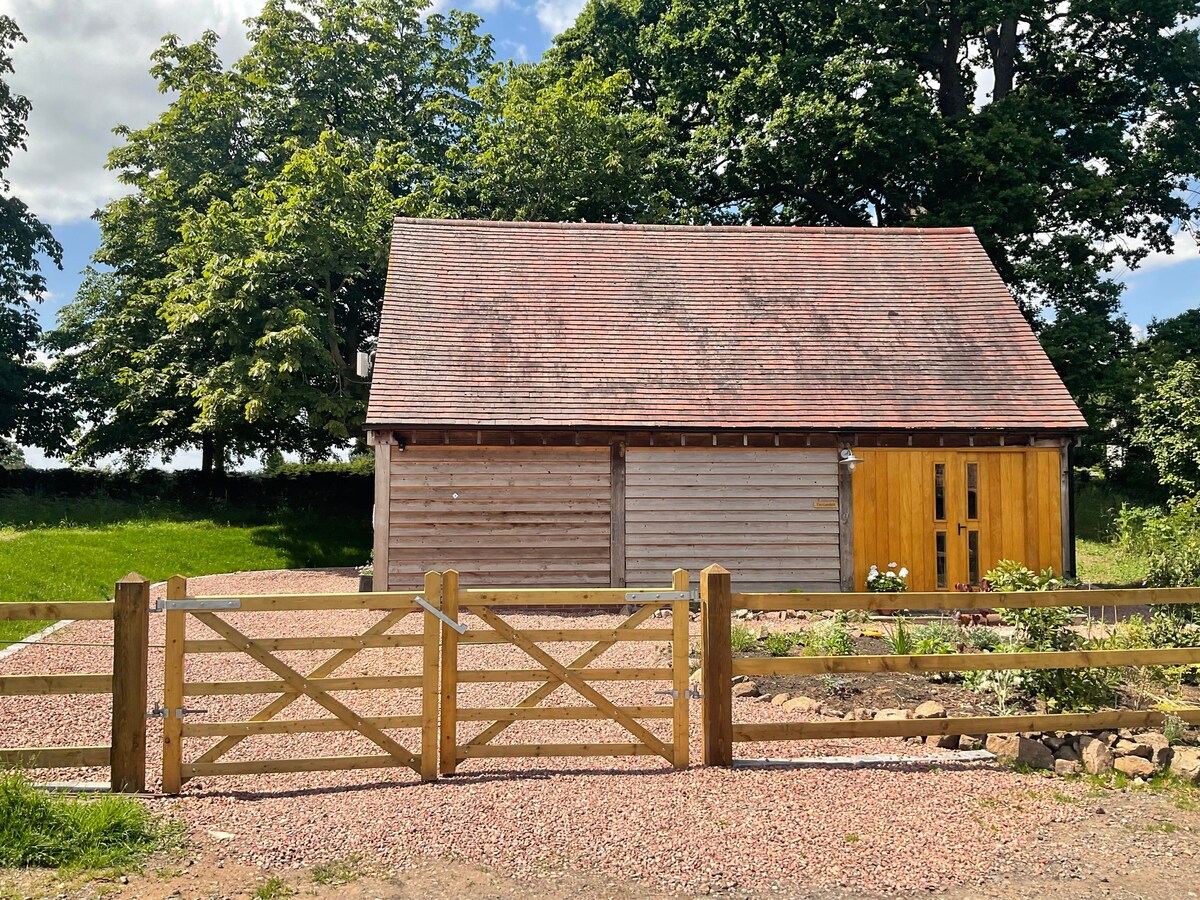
(206, 456)
(952, 97)
(1002, 45)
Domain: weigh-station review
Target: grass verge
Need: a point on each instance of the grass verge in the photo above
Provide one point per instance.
(44, 830)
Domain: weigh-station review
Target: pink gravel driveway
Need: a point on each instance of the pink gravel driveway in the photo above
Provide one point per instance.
(881, 829)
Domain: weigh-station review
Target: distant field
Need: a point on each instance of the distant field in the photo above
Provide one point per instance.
(76, 549)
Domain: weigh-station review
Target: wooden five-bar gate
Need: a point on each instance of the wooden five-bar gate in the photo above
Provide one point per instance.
(453, 617)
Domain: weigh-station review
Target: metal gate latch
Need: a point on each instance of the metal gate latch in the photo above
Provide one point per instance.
(429, 607)
(161, 712)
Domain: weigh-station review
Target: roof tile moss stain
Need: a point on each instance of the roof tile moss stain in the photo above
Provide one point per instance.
(678, 326)
(624, 817)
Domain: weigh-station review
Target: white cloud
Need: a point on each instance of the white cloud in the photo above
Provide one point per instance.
(85, 70)
(1185, 250)
(558, 15)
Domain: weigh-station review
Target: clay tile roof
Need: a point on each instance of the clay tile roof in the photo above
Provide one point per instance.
(534, 324)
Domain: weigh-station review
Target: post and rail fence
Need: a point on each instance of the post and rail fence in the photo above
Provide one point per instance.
(437, 673)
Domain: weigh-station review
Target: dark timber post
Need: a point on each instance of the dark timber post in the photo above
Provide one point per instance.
(131, 650)
(716, 662)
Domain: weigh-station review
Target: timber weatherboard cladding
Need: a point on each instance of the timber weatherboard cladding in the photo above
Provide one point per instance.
(522, 515)
(768, 515)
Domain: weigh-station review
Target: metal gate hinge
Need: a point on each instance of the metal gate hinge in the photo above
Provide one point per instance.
(161, 712)
(693, 693)
(189, 604)
(659, 596)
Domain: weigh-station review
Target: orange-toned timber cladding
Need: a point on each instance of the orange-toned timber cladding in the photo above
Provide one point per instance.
(1017, 511)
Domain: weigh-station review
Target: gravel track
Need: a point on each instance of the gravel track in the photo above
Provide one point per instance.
(883, 830)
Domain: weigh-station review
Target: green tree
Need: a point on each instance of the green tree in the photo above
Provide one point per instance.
(27, 401)
(249, 259)
(545, 148)
(1170, 427)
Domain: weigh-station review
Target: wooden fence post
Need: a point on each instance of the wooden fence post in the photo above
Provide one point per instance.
(716, 663)
(680, 670)
(131, 652)
(430, 683)
(176, 629)
(449, 712)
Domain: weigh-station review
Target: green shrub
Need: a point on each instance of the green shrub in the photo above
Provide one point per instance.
(941, 632)
(829, 637)
(781, 643)
(56, 830)
(979, 637)
(1009, 575)
(899, 638)
(741, 640)
(1169, 538)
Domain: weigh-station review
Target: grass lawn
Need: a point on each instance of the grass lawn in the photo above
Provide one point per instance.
(54, 549)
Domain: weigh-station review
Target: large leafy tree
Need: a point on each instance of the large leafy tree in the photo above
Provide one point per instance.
(1066, 133)
(27, 403)
(1170, 427)
(248, 260)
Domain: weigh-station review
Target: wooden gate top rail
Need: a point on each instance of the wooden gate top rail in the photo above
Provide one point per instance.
(571, 635)
(477, 676)
(73, 683)
(556, 596)
(555, 713)
(522, 751)
(962, 600)
(292, 726)
(37, 612)
(967, 662)
(794, 731)
(324, 642)
(357, 683)
(297, 602)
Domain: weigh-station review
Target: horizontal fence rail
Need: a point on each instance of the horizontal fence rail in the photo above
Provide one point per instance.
(125, 754)
(719, 666)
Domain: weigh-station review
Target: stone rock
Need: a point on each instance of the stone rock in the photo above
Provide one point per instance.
(1068, 752)
(780, 699)
(1134, 766)
(970, 742)
(1053, 741)
(802, 704)
(1160, 748)
(942, 741)
(1014, 748)
(745, 689)
(739, 679)
(1109, 737)
(1185, 764)
(221, 835)
(860, 713)
(930, 709)
(1097, 758)
(1126, 747)
(893, 714)
(832, 713)
(1066, 767)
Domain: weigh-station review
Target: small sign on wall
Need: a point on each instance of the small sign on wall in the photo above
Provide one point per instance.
(825, 504)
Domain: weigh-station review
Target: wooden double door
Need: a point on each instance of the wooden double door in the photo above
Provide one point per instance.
(949, 516)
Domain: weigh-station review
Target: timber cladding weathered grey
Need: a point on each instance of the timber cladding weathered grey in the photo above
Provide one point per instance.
(501, 516)
(770, 515)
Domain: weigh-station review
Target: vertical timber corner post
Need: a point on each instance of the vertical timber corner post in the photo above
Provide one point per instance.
(131, 652)
(172, 737)
(716, 662)
(449, 716)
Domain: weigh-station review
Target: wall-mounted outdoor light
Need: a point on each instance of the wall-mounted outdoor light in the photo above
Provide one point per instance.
(848, 459)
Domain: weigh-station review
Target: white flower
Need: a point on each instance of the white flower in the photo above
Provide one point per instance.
(891, 565)
(873, 574)
(904, 572)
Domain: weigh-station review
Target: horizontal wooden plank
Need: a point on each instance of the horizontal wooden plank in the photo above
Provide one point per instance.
(567, 569)
(741, 506)
(594, 553)
(292, 726)
(550, 635)
(340, 642)
(748, 521)
(55, 757)
(406, 496)
(801, 495)
(503, 540)
(384, 600)
(665, 530)
(487, 529)
(966, 662)
(797, 731)
(752, 552)
(647, 470)
(728, 455)
(555, 713)
(533, 751)
(959, 600)
(490, 676)
(531, 479)
(284, 766)
(73, 683)
(39, 612)
(362, 683)
(549, 596)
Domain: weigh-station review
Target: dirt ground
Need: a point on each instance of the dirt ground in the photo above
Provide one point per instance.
(1130, 844)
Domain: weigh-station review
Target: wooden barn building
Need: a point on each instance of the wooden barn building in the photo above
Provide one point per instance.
(575, 404)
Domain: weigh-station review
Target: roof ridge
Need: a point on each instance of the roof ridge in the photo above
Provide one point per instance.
(628, 226)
